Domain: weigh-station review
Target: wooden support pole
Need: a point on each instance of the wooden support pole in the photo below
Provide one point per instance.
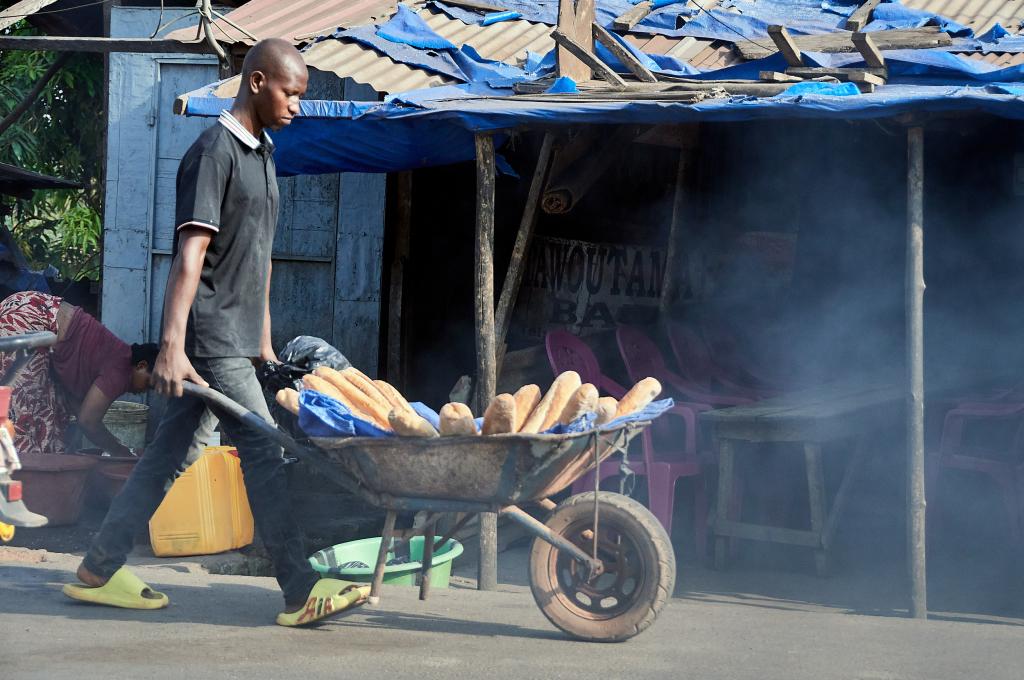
(403, 227)
(869, 50)
(915, 373)
(486, 361)
(514, 276)
(780, 36)
(589, 58)
(642, 73)
(670, 280)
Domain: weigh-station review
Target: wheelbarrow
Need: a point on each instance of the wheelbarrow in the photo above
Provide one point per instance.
(601, 566)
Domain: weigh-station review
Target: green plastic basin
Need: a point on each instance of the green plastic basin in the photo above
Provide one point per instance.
(337, 561)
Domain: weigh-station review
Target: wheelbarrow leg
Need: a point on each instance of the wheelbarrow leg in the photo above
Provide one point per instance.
(428, 559)
(382, 557)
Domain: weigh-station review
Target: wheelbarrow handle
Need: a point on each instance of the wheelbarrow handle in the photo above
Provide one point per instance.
(222, 405)
(35, 340)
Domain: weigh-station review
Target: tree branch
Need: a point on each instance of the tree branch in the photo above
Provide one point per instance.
(37, 89)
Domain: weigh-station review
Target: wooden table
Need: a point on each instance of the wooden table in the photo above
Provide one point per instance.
(812, 418)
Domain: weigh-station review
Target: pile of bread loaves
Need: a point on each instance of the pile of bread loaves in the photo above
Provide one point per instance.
(528, 411)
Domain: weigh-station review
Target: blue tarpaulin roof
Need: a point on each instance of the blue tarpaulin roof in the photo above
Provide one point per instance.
(436, 126)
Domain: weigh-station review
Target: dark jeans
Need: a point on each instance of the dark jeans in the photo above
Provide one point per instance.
(262, 467)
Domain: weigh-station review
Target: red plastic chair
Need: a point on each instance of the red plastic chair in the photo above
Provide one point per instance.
(1007, 473)
(696, 365)
(566, 352)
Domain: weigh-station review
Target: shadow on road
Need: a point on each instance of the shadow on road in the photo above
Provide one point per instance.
(35, 591)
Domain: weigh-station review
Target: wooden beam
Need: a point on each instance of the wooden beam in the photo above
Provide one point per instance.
(627, 20)
(759, 532)
(916, 38)
(101, 45)
(516, 266)
(869, 78)
(19, 10)
(861, 16)
(780, 36)
(776, 77)
(642, 73)
(867, 48)
(915, 373)
(587, 57)
(486, 368)
(842, 74)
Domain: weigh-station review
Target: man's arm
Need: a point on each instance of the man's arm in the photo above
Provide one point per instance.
(266, 344)
(172, 367)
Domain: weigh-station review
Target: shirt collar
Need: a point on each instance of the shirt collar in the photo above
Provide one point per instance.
(243, 135)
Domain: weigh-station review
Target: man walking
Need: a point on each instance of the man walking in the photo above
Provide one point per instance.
(216, 319)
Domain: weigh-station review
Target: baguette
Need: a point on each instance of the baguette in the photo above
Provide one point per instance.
(354, 398)
(550, 407)
(583, 401)
(325, 387)
(640, 395)
(407, 423)
(288, 399)
(606, 408)
(527, 398)
(393, 396)
(358, 379)
(500, 416)
(457, 420)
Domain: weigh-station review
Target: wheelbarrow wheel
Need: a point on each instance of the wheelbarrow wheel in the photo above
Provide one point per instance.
(639, 575)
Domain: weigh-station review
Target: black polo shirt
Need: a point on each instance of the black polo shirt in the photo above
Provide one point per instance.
(227, 183)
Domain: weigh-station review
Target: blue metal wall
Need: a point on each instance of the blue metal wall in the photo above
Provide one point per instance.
(327, 252)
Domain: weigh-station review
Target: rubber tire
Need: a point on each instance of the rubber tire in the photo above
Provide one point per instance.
(631, 518)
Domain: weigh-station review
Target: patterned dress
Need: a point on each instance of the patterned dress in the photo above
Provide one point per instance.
(38, 409)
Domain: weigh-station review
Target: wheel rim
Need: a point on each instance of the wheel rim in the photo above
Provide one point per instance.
(616, 590)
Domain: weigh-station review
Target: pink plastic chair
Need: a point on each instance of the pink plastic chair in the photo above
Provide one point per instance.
(725, 351)
(1007, 473)
(698, 367)
(566, 352)
(643, 358)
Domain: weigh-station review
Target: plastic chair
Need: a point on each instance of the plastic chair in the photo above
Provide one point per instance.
(643, 358)
(566, 352)
(725, 351)
(1007, 474)
(697, 365)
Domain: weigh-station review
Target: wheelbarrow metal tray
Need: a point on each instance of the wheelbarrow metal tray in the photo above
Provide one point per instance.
(495, 469)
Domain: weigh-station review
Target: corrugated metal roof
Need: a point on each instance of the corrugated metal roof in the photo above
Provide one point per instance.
(292, 21)
(999, 59)
(508, 41)
(977, 14)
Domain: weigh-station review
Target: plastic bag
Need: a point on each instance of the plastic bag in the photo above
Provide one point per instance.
(309, 352)
(274, 376)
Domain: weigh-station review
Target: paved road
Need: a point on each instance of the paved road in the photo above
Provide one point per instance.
(221, 627)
